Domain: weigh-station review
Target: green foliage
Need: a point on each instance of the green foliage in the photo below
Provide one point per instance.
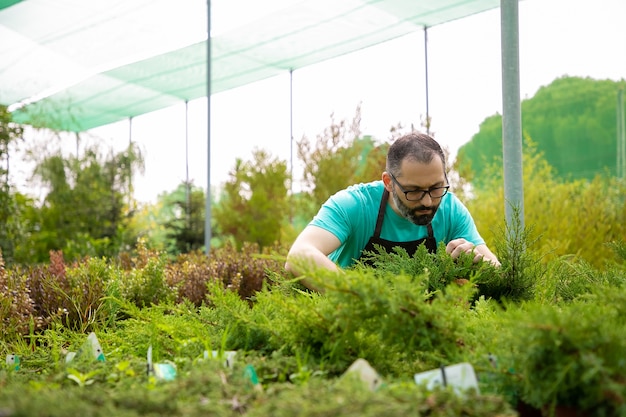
(507, 282)
(176, 332)
(619, 247)
(569, 218)
(569, 278)
(84, 211)
(543, 328)
(391, 320)
(402, 399)
(84, 295)
(120, 388)
(185, 227)
(409, 315)
(148, 223)
(231, 316)
(16, 306)
(571, 354)
(10, 227)
(573, 123)
(75, 293)
(144, 284)
(338, 158)
(254, 205)
(243, 271)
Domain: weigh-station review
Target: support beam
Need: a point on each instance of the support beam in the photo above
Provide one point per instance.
(511, 115)
(620, 172)
(427, 121)
(187, 184)
(207, 207)
(291, 214)
(130, 167)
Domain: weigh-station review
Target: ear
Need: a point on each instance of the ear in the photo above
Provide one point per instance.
(387, 180)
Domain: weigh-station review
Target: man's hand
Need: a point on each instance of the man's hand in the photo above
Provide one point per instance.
(481, 252)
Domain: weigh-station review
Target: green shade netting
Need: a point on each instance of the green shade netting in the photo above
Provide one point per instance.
(78, 64)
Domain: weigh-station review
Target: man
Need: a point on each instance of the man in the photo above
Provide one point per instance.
(409, 207)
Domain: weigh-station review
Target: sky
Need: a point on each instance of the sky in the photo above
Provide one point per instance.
(557, 38)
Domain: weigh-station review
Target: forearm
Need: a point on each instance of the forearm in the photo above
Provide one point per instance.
(310, 256)
(307, 256)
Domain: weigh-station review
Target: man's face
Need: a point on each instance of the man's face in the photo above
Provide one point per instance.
(416, 175)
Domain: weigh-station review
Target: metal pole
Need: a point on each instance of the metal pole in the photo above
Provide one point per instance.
(426, 76)
(511, 114)
(621, 136)
(207, 208)
(291, 143)
(187, 185)
(130, 169)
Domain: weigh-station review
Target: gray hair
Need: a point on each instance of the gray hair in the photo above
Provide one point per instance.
(416, 146)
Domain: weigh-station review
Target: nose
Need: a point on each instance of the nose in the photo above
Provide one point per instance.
(426, 200)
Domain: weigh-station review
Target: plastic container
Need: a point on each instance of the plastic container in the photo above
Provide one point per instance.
(461, 377)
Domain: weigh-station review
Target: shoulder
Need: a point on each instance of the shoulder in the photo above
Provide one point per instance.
(346, 211)
(451, 213)
(359, 194)
(453, 203)
(450, 201)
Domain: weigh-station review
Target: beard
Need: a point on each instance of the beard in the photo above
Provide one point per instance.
(411, 213)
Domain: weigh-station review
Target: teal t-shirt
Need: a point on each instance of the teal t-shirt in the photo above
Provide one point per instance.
(350, 215)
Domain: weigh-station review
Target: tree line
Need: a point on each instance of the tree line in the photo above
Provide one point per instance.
(573, 123)
(88, 209)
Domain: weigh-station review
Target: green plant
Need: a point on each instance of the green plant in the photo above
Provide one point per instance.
(145, 283)
(558, 210)
(513, 281)
(17, 309)
(253, 205)
(570, 354)
(82, 379)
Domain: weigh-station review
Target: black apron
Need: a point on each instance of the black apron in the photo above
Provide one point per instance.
(410, 247)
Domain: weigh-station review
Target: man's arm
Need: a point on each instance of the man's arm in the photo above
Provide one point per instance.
(312, 245)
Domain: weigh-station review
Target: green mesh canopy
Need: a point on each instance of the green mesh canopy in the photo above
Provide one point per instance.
(77, 64)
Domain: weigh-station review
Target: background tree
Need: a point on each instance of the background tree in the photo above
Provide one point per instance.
(339, 157)
(185, 227)
(10, 225)
(566, 217)
(253, 206)
(84, 211)
(572, 121)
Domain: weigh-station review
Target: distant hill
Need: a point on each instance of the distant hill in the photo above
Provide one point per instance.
(573, 121)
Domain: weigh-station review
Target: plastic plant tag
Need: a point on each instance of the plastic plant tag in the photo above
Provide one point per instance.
(164, 371)
(251, 375)
(364, 371)
(91, 345)
(150, 368)
(96, 349)
(460, 377)
(227, 355)
(161, 371)
(13, 361)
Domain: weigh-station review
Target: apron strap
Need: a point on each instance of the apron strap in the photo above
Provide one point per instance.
(430, 230)
(381, 213)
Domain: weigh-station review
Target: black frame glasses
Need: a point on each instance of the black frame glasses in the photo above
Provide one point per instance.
(411, 195)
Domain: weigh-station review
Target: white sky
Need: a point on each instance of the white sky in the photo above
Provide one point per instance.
(557, 38)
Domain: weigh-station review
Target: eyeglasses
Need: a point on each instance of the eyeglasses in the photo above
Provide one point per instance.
(417, 195)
